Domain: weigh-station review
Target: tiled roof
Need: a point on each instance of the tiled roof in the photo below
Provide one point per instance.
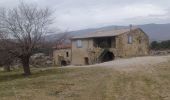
(62, 46)
(104, 33)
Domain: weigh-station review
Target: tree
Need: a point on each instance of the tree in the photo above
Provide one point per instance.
(163, 45)
(6, 60)
(24, 27)
(154, 45)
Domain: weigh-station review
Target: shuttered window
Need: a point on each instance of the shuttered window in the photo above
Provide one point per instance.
(79, 44)
(130, 39)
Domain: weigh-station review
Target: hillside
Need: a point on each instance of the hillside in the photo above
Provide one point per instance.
(140, 78)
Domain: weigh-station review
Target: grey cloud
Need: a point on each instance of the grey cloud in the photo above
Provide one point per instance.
(79, 14)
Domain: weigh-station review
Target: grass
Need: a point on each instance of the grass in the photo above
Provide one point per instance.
(95, 83)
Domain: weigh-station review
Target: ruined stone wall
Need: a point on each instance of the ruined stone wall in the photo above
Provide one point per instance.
(61, 53)
(138, 47)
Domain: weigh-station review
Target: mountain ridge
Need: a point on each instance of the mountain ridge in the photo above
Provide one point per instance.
(156, 32)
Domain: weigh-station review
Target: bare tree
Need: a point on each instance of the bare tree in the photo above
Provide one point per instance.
(22, 29)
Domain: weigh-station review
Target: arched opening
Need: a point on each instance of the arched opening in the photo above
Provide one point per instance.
(63, 63)
(108, 56)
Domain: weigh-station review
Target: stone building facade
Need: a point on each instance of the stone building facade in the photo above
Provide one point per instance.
(106, 45)
(62, 55)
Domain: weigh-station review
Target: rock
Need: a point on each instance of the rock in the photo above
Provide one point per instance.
(41, 60)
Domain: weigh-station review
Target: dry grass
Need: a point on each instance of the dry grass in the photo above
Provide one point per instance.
(93, 83)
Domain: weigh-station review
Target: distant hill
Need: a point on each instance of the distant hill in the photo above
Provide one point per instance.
(156, 32)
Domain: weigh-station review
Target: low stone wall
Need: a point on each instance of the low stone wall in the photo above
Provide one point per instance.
(159, 52)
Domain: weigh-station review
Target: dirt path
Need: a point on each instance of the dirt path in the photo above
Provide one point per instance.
(135, 63)
(131, 63)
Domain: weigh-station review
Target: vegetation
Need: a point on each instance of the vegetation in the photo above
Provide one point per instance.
(160, 45)
(6, 60)
(46, 48)
(22, 29)
(95, 83)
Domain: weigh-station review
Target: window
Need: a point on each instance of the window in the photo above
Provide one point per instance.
(67, 54)
(103, 42)
(79, 44)
(130, 39)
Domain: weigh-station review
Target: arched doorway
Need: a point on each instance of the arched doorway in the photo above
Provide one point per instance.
(108, 56)
(63, 63)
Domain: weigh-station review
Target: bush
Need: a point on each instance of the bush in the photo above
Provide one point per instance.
(160, 45)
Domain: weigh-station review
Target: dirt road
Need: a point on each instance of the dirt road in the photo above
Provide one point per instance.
(135, 63)
(130, 63)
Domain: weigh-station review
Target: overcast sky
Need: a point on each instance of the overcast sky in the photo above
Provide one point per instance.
(81, 14)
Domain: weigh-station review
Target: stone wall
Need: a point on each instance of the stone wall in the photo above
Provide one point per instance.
(87, 51)
(79, 54)
(159, 52)
(138, 47)
(94, 53)
(61, 54)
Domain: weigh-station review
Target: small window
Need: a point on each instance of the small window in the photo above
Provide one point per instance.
(79, 44)
(130, 39)
(67, 54)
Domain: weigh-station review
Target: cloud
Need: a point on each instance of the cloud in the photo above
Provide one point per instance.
(80, 14)
(109, 15)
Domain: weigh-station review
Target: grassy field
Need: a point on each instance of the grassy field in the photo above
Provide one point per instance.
(95, 83)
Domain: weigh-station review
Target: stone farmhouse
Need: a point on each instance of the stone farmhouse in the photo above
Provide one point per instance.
(102, 46)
